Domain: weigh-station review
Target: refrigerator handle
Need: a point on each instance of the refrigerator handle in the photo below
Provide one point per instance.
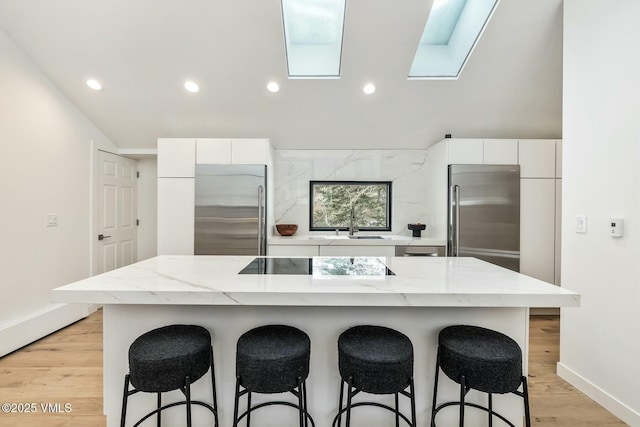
(455, 219)
(260, 220)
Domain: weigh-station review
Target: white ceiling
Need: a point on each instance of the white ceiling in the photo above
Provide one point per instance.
(144, 50)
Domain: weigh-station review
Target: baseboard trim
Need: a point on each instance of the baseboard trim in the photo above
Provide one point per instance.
(20, 332)
(604, 399)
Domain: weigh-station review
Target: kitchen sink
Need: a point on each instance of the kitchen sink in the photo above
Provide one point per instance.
(366, 237)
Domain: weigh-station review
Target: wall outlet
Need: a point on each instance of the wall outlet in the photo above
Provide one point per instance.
(52, 220)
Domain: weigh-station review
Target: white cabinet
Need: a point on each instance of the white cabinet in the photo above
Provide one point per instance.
(176, 157)
(213, 151)
(357, 250)
(251, 151)
(537, 158)
(247, 151)
(176, 198)
(500, 152)
(482, 151)
(465, 151)
(537, 228)
(293, 250)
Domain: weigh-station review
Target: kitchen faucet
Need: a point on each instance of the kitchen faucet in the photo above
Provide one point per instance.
(353, 228)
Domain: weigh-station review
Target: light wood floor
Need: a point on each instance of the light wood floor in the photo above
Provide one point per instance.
(66, 367)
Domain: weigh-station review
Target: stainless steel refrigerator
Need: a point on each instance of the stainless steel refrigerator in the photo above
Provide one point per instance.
(484, 213)
(230, 210)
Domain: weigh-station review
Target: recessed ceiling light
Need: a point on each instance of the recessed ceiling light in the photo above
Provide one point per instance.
(191, 86)
(94, 84)
(369, 88)
(273, 87)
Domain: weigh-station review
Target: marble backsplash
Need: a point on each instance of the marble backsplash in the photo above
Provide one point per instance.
(405, 168)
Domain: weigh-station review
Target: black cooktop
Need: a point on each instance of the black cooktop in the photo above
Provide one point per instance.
(320, 266)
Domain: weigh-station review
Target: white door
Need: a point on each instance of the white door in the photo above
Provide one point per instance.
(117, 211)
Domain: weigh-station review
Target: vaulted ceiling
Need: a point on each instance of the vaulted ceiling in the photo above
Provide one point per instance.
(144, 50)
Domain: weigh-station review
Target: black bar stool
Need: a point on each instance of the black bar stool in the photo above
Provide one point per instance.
(166, 359)
(376, 360)
(483, 360)
(272, 359)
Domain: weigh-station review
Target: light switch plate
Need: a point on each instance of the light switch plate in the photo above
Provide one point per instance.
(52, 220)
(581, 224)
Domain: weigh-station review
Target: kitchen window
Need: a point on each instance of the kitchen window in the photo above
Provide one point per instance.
(331, 203)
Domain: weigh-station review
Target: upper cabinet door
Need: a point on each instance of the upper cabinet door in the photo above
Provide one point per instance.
(176, 157)
(500, 151)
(250, 151)
(537, 158)
(465, 152)
(213, 151)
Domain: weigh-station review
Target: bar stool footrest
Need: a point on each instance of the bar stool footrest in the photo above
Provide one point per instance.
(472, 405)
(171, 405)
(276, 402)
(379, 405)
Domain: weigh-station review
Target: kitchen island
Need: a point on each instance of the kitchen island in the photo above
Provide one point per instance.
(323, 297)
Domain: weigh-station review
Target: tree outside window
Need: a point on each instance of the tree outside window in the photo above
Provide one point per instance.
(331, 203)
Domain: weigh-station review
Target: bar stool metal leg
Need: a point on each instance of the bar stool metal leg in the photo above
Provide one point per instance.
(397, 410)
(490, 409)
(248, 409)
(213, 388)
(306, 419)
(349, 394)
(125, 398)
(301, 409)
(413, 404)
(159, 415)
(235, 405)
(525, 393)
(435, 390)
(462, 394)
(187, 394)
(340, 403)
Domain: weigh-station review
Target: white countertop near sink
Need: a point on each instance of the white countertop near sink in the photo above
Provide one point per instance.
(344, 240)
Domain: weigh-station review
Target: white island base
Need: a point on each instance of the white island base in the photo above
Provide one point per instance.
(123, 323)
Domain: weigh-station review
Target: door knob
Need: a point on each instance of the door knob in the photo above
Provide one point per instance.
(102, 237)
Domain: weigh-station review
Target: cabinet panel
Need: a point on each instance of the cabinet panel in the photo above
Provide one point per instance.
(357, 250)
(465, 152)
(176, 200)
(213, 151)
(558, 236)
(537, 228)
(293, 250)
(500, 151)
(176, 157)
(249, 151)
(537, 158)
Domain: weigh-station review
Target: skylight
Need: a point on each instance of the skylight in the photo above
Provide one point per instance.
(452, 31)
(313, 36)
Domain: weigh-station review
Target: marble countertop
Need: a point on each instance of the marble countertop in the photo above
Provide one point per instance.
(344, 240)
(214, 280)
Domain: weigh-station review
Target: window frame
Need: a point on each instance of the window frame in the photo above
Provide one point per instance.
(389, 209)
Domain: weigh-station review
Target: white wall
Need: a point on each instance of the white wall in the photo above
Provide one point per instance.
(405, 168)
(600, 341)
(45, 164)
(147, 208)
